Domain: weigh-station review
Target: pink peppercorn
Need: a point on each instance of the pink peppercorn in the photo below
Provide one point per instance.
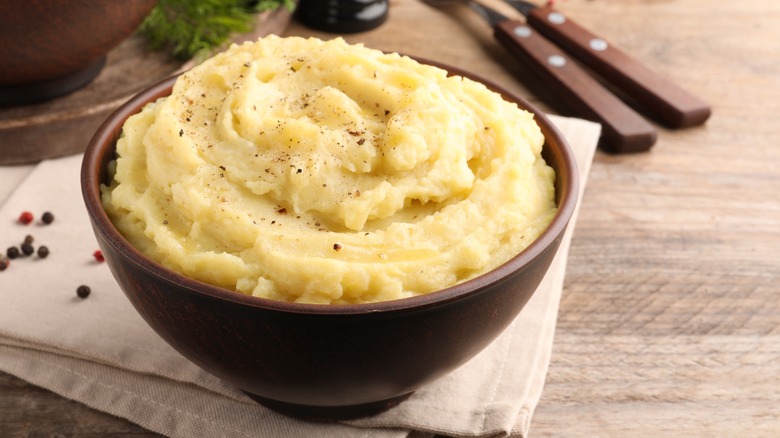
(25, 218)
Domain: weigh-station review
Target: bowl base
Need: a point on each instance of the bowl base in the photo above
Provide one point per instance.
(329, 413)
(45, 90)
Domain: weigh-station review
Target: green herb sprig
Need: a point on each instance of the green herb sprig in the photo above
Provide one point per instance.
(191, 29)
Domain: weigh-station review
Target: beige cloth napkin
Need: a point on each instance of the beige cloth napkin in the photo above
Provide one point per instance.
(99, 352)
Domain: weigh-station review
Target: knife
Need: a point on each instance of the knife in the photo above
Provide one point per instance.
(664, 100)
(623, 130)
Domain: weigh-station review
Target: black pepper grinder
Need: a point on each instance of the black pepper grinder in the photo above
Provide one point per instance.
(343, 16)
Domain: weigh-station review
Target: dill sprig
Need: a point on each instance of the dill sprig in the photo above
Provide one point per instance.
(190, 29)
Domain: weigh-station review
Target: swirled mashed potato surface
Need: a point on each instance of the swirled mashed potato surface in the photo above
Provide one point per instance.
(322, 172)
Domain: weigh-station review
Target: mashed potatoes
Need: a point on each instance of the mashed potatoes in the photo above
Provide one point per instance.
(322, 172)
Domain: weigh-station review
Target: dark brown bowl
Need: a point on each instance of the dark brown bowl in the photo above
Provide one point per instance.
(51, 47)
(325, 361)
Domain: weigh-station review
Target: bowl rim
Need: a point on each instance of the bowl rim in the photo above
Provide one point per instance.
(104, 142)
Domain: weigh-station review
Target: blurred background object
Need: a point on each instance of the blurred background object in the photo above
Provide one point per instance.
(54, 111)
(343, 16)
(49, 48)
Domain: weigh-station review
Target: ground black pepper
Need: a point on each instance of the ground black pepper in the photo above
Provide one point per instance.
(83, 291)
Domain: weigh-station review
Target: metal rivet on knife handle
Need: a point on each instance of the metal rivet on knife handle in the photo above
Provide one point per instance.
(523, 31)
(598, 44)
(556, 18)
(556, 60)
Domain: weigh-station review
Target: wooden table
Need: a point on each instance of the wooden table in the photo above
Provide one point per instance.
(670, 319)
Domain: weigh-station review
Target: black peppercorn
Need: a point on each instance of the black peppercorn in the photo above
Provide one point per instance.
(47, 218)
(4, 263)
(12, 252)
(27, 248)
(28, 239)
(83, 291)
(43, 251)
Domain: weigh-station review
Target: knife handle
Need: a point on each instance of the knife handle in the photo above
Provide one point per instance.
(663, 99)
(622, 128)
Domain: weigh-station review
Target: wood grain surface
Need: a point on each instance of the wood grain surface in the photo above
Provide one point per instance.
(670, 319)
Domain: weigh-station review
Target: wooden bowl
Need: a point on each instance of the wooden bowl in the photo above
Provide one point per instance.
(325, 361)
(51, 47)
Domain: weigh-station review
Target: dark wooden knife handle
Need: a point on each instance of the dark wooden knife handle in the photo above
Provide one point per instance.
(664, 100)
(623, 129)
